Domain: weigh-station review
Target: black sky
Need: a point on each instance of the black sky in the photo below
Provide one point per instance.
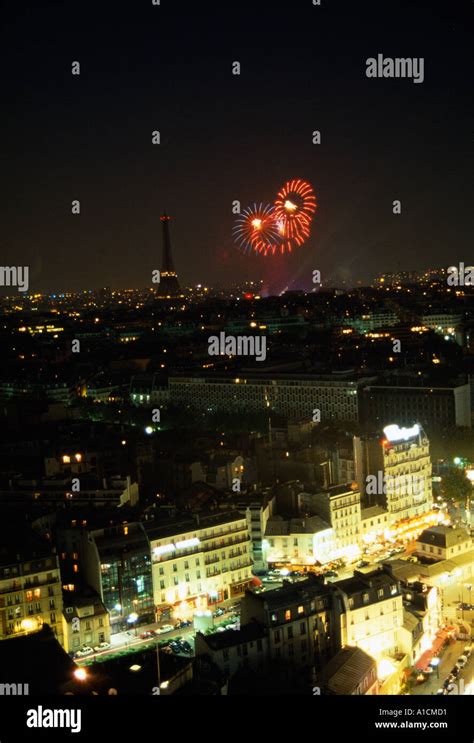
(226, 137)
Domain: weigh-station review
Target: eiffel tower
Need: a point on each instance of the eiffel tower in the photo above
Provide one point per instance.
(169, 284)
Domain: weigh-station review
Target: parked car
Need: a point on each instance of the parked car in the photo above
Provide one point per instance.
(182, 623)
(102, 646)
(461, 662)
(467, 651)
(218, 612)
(147, 634)
(164, 628)
(86, 650)
(186, 646)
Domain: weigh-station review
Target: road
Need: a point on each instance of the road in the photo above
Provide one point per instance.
(448, 659)
(132, 642)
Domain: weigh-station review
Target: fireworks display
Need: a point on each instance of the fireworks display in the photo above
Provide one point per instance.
(294, 209)
(256, 229)
(267, 229)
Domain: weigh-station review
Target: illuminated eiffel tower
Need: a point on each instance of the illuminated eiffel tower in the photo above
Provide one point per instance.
(169, 284)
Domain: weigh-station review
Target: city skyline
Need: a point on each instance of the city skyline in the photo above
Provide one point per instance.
(227, 137)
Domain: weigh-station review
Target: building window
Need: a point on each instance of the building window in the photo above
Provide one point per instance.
(175, 568)
(300, 610)
(162, 571)
(274, 617)
(287, 615)
(380, 593)
(277, 636)
(290, 632)
(303, 628)
(351, 603)
(162, 584)
(365, 598)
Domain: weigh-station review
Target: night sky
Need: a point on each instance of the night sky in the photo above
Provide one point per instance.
(226, 137)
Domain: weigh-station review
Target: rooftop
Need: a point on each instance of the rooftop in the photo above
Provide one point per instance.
(229, 638)
(344, 672)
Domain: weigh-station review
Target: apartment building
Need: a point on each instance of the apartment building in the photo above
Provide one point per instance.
(394, 471)
(30, 592)
(443, 543)
(85, 621)
(369, 612)
(200, 562)
(296, 618)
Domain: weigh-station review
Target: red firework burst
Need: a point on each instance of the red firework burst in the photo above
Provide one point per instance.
(294, 209)
(256, 229)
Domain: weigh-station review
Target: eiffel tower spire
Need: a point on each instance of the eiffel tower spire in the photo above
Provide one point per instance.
(169, 284)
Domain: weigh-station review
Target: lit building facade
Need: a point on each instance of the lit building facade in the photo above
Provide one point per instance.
(394, 471)
(369, 612)
(30, 596)
(199, 563)
(86, 621)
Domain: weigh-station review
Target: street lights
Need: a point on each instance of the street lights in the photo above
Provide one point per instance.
(131, 619)
(434, 663)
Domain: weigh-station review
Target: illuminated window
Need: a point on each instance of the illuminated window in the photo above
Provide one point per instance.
(300, 610)
(37, 593)
(29, 595)
(75, 568)
(288, 615)
(125, 530)
(365, 598)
